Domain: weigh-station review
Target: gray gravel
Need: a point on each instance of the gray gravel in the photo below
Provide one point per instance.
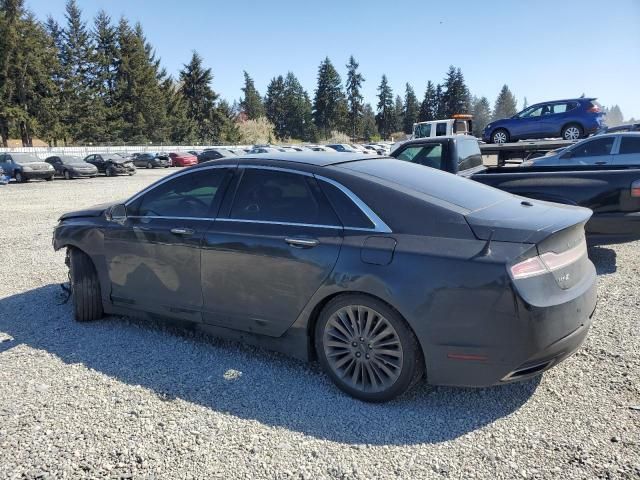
(119, 398)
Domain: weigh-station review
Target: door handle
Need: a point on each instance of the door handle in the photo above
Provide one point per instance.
(302, 242)
(182, 231)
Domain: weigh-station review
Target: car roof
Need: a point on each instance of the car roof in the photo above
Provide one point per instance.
(316, 159)
(581, 99)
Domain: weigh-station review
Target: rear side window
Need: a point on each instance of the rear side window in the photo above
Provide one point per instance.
(630, 145)
(429, 155)
(189, 196)
(275, 196)
(441, 129)
(350, 215)
(469, 155)
(559, 108)
(594, 148)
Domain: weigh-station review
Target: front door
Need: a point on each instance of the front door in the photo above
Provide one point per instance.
(153, 255)
(596, 151)
(265, 257)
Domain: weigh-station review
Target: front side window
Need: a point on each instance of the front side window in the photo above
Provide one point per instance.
(428, 155)
(275, 196)
(192, 196)
(630, 145)
(593, 148)
(534, 111)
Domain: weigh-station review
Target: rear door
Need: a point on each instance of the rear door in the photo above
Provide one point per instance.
(628, 151)
(273, 245)
(153, 255)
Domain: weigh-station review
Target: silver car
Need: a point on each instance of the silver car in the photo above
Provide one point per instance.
(605, 149)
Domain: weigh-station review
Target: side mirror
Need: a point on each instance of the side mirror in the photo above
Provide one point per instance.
(116, 213)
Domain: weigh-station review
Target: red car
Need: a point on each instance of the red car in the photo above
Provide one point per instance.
(182, 159)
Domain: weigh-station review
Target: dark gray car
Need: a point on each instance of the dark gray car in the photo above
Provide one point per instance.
(152, 160)
(70, 166)
(381, 269)
(25, 166)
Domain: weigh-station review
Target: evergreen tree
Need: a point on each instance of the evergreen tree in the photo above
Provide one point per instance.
(505, 106)
(182, 129)
(481, 110)
(525, 103)
(11, 12)
(251, 105)
(354, 97)
(398, 115)
(106, 56)
(614, 116)
(297, 108)
(411, 109)
(230, 133)
(385, 116)
(329, 104)
(275, 107)
(369, 129)
(200, 99)
(440, 111)
(429, 105)
(455, 97)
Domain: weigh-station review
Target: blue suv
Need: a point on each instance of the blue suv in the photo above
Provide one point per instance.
(568, 119)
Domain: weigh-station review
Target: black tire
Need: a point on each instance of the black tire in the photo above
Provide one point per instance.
(110, 172)
(67, 175)
(87, 302)
(48, 179)
(149, 165)
(410, 366)
(19, 177)
(500, 135)
(572, 131)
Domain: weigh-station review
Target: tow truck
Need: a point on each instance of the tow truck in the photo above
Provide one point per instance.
(458, 124)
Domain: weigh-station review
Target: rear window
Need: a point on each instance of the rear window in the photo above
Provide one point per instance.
(630, 145)
(453, 189)
(441, 129)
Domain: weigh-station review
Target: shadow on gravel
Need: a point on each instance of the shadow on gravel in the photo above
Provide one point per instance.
(246, 382)
(604, 259)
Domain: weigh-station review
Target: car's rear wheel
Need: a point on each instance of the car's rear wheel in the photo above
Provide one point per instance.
(19, 177)
(500, 136)
(367, 348)
(87, 303)
(573, 131)
(149, 165)
(67, 175)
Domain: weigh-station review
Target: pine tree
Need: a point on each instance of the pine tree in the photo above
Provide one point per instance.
(230, 133)
(614, 116)
(398, 115)
(251, 105)
(329, 104)
(106, 55)
(505, 106)
(385, 116)
(440, 111)
(11, 12)
(369, 129)
(354, 97)
(200, 99)
(297, 107)
(429, 105)
(525, 103)
(455, 97)
(481, 110)
(411, 109)
(182, 129)
(275, 107)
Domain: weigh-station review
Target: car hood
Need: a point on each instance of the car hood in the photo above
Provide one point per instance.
(35, 165)
(80, 165)
(118, 160)
(519, 219)
(95, 211)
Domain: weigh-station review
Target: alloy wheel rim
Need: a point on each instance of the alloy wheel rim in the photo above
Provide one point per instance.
(363, 349)
(500, 137)
(572, 133)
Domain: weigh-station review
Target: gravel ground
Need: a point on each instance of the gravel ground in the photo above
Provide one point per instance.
(119, 398)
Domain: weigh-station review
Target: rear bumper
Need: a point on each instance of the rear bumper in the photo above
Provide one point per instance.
(537, 339)
(607, 228)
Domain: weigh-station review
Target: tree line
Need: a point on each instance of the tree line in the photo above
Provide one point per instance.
(103, 83)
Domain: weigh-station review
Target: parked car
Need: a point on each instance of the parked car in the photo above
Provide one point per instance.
(71, 166)
(627, 127)
(569, 119)
(25, 166)
(151, 160)
(194, 152)
(255, 150)
(3, 178)
(111, 164)
(182, 159)
(604, 149)
(321, 255)
(612, 192)
(342, 148)
(214, 154)
(375, 149)
(320, 148)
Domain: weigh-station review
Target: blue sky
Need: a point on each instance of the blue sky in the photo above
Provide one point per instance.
(542, 49)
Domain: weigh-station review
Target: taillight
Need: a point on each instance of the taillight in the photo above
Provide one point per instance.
(548, 262)
(635, 189)
(594, 109)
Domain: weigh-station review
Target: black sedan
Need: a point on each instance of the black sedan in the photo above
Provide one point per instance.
(383, 270)
(151, 160)
(111, 164)
(70, 166)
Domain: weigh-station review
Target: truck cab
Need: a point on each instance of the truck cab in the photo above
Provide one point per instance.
(459, 124)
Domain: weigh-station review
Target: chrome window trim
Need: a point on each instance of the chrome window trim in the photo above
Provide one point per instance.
(378, 225)
(171, 177)
(164, 217)
(271, 222)
(277, 169)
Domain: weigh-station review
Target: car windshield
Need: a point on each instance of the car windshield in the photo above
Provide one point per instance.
(24, 158)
